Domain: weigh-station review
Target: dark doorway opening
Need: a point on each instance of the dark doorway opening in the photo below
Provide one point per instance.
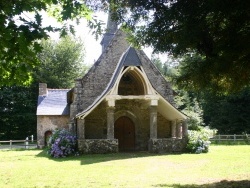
(125, 133)
(47, 135)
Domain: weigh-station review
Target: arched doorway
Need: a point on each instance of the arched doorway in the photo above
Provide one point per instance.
(47, 135)
(125, 133)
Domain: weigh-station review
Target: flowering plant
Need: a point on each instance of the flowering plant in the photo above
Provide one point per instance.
(62, 143)
(198, 141)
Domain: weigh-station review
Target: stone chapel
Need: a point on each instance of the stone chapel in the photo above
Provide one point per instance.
(123, 103)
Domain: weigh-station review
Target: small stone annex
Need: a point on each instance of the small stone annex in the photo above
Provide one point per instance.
(123, 103)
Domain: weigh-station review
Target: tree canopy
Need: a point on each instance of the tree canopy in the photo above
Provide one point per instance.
(17, 112)
(21, 30)
(217, 31)
(60, 63)
(228, 113)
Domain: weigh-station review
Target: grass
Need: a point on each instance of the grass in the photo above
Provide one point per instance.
(223, 166)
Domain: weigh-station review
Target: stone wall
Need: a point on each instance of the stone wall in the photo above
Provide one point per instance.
(169, 145)
(49, 123)
(96, 146)
(96, 123)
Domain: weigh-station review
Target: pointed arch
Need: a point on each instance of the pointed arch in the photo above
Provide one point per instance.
(132, 83)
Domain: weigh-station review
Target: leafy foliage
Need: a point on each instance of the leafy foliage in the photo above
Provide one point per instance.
(61, 144)
(61, 62)
(227, 113)
(21, 29)
(198, 140)
(186, 100)
(216, 31)
(17, 112)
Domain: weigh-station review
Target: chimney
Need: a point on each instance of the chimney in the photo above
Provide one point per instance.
(110, 32)
(43, 89)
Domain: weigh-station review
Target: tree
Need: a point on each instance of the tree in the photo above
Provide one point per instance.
(227, 113)
(18, 112)
(187, 101)
(216, 31)
(21, 30)
(61, 62)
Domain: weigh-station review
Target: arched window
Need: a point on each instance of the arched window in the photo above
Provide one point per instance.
(131, 83)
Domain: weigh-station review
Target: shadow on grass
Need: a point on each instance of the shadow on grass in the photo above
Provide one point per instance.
(221, 184)
(87, 159)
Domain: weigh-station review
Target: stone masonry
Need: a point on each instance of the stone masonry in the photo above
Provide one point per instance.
(49, 123)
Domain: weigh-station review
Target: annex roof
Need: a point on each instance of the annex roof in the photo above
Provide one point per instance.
(54, 103)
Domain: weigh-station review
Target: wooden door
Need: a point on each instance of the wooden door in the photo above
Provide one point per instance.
(125, 133)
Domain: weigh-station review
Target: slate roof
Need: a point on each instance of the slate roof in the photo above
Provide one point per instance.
(130, 58)
(102, 75)
(54, 103)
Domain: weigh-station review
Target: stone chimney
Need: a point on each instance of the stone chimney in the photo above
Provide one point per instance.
(110, 32)
(43, 89)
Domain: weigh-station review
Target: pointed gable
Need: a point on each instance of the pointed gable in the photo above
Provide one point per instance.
(104, 74)
(130, 58)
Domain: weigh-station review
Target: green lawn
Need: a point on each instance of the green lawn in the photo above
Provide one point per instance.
(223, 166)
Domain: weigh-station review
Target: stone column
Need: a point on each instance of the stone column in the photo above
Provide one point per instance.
(184, 129)
(173, 129)
(110, 122)
(80, 128)
(179, 130)
(153, 122)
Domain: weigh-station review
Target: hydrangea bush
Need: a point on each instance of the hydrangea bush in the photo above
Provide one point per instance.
(62, 143)
(198, 140)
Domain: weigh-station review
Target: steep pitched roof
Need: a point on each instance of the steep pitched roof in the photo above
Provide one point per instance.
(103, 74)
(130, 58)
(54, 103)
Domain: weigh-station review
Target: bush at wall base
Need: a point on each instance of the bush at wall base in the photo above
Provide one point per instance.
(62, 143)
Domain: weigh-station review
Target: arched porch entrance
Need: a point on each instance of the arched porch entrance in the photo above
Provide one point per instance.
(125, 133)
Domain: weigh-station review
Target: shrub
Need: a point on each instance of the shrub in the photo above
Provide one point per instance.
(198, 141)
(62, 143)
